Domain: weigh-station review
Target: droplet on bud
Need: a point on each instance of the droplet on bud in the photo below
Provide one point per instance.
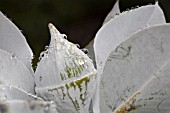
(64, 36)
(78, 46)
(85, 50)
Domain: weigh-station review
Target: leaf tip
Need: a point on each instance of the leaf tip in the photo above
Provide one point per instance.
(52, 27)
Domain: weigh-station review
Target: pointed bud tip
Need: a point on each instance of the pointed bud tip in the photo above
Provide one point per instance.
(51, 26)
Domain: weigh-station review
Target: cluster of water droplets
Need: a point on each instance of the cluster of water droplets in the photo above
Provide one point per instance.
(3, 97)
(44, 53)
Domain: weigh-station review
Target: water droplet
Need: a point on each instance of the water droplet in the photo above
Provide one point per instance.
(89, 56)
(46, 107)
(61, 40)
(21, 31)
(46, 47)
(13, 56)
(72, 51)
(58, 47)
(40, 78)
(42, 54)
(68, 46)
(100, 65)
(10, 87)
(132, 8)
(85, 50)
(3, 98)
(80, 61)
(52, 102)
(3, 88)
(127, 9)
(156, 2)
(137, 6)
(64, 36)
(78, 46)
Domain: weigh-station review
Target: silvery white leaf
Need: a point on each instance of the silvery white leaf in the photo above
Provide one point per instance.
(117, 30)
(10, 92)
(115, 10)
(14, 72)
(121, 27)
(136, 75)
(64, 63)
(12, 40)
(71, 97)
(19, 106)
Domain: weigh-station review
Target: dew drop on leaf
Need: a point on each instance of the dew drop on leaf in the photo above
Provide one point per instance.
(64, 36)
(46, 107)
(81, 62)
(3, 88)
(85, 50)
(3, 98)
(13, 56)
(78, 46)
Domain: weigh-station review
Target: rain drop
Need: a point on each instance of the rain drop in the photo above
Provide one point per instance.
(132, 8)
(127, 9)
(78, 46)
(46, 107)
(100, 65)
(40, 78)
(81, 62)
(137, 6)
(3, 88)
(61, 40)
(13, 56)
(42, 55)
(3, 98)
(85, 50)
(10, 87)
(46, 47)
(117, 13)
(59, 47)
(64, 36)
(21, 31)
(68, 46)
(72, 51)
(52, 102)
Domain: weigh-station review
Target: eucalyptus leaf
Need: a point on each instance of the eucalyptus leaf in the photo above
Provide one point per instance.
(14, 72)
(136, 74)
(71, 97)
(64, 64)
(121, 27)
(9, 92)
(19, 106)
(12, 40)
(117, 30)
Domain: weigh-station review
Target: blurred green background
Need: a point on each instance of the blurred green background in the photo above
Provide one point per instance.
(78, 19)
